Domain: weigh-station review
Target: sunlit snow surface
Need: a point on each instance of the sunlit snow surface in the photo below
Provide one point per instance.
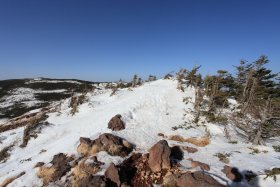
(147, 110)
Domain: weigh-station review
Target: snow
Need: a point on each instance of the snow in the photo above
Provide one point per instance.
(52, 81)
(150, 109)
(25, 96)
(17, 95)
(3, 120)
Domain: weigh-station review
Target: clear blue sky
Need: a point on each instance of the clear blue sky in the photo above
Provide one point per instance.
(105, 40)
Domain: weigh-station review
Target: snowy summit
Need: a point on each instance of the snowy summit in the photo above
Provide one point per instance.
(151, 132)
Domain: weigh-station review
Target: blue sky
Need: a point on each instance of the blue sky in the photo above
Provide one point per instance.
(104, 40)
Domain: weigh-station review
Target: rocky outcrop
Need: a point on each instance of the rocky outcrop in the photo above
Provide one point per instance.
(112, 144)
(159, 156)
(116, 124)
(60, 166)
(195, 179)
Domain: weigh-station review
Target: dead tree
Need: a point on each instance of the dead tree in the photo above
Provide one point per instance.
(152, 78)
(180, 76)
(75, 102)
(198, 103)
(248, 95)
(213, 95)
(114, 91)
(267, 115)
(136, 81)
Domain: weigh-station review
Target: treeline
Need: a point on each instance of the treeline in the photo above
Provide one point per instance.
(254, 86)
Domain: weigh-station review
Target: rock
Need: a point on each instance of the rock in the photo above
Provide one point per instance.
(116, 124)
(202, 166)
(232, 173)
(189, 149)
(159, 156)
(112, 144)
(60, 166)
(195, 179)
(112, 174)
(161, 134)
(92, 181)
(39, 164)
(123, 173)
(85, 146)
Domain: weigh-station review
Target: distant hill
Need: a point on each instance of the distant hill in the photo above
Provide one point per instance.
(18, 96)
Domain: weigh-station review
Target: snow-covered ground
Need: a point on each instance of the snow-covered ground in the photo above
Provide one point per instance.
(147, 110)
(24, 95)
(38, 80)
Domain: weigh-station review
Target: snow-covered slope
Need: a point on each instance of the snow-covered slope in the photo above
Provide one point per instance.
(147, 110)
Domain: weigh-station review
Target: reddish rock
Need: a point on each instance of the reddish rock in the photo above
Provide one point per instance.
(116, 124)
(196, 179)
(159, 156)
(112, 174)
(93, 181)
(202, 165)
(232, 173)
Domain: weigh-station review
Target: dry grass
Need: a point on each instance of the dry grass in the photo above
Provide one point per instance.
(75, 102)
(177, 138)
(11, 179)
(46, 173)
(4, 153)
(198, 141)
(32, 130)
(83, 149)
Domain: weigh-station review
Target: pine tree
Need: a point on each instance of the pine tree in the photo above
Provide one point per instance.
(259, 96)
(193, 79)
(152, 78)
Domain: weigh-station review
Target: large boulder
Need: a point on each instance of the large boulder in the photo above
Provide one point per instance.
(159, 156)
(195, 179)
(112, 144)
(116, 124)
